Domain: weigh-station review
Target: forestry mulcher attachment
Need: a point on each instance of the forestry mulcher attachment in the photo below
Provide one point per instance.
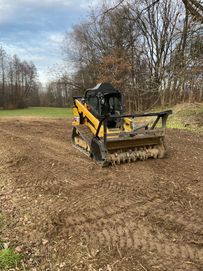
(104, 133)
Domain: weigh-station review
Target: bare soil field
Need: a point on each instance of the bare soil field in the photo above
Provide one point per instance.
(64, 212)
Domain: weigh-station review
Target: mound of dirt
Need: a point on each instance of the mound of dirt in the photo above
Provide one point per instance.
(64, 212)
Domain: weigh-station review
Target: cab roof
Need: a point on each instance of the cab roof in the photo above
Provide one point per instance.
(104, 88)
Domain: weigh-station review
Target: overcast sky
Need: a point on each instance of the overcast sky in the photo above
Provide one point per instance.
(34, 29)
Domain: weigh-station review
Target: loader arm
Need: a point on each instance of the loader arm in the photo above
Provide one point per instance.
(87, 117)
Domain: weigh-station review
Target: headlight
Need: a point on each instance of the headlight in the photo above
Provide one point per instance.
(77, 119)
(133, 125)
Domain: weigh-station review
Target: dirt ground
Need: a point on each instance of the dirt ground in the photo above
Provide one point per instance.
(64, 212)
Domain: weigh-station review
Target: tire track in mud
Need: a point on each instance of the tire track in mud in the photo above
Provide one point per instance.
(116, 187)
(91, 190)
(112, 227)
(99, 211)
(104, 187)
(172, 218)
(85, 192)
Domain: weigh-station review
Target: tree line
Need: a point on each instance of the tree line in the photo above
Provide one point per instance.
(151, 50)
(56, 94)
(19, 86)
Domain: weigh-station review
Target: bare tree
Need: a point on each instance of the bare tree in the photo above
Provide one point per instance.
(195, 8)
(3, 57)
(18, 82)
(144, 48)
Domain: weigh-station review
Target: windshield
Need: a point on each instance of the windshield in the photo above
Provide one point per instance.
(112, 105)
(94, 104)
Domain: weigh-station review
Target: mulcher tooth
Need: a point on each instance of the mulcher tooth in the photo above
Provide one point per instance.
(142, 153)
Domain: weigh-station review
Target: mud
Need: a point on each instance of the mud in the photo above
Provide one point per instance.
(64, 212)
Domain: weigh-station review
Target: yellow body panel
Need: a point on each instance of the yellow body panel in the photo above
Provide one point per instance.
(127, 124)
(92, 122)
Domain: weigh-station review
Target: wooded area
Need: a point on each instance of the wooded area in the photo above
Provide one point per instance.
(151, 50)
(19, 86)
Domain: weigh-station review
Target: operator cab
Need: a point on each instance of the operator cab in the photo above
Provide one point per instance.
(104, 100)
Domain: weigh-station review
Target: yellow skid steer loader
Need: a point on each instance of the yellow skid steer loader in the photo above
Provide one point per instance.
(104, 133)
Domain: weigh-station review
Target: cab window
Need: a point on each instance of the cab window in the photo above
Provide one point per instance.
(94, 104)
(114, 102)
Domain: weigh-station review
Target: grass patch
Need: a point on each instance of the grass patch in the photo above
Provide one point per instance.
(50, 112)
(189, 109)
(9, 258)
(185, 117)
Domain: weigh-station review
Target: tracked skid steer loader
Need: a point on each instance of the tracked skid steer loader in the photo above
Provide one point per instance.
(104, 133)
